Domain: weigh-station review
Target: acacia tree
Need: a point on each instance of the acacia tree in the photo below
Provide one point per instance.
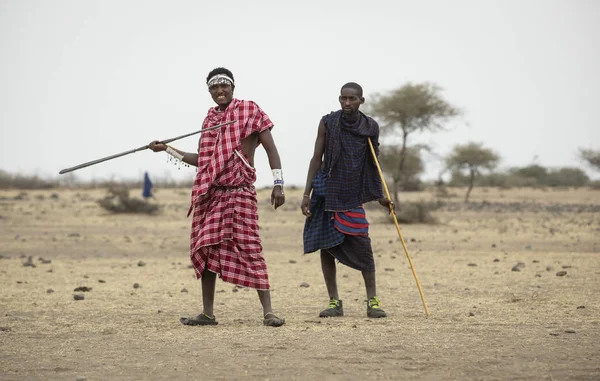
(413, 165)
(591, 157)
(411, 108)
(472, 157)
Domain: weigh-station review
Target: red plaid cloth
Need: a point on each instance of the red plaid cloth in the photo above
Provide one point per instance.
(216, 147)
(224, 237)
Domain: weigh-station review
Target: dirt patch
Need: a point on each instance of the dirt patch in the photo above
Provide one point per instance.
(488, 322)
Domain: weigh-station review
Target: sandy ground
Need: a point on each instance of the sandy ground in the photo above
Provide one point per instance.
(487, 322)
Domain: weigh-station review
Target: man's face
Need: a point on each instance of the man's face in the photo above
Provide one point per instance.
(222, 94)
(350, 100)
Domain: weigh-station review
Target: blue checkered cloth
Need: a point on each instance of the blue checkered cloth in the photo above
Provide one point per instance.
(352, 177)
(319, 231)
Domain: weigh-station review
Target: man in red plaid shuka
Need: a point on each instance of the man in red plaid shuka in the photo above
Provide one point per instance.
(224, 237)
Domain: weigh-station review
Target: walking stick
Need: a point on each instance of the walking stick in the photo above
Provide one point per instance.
(139, 149)
(393, 212)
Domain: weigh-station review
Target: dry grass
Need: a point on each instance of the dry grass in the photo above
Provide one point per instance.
(488, 322)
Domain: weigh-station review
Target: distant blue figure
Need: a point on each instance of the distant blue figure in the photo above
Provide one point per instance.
(147, 186)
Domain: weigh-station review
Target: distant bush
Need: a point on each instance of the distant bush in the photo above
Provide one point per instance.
(507, 180)
(458, 179)
(595, 185)
(535, 173)
(416, 212)
(531, 176)
(12, 181)
(412, 185)
(118, 201)
(568, 177)
(134, 184)
(441, 191)
(69, 180)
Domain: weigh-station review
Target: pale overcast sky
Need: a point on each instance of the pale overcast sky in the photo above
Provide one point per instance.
(80, 79)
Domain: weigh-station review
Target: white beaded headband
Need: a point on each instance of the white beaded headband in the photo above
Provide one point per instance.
(220, 79)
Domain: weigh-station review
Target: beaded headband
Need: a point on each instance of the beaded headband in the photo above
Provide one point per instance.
(220, 79)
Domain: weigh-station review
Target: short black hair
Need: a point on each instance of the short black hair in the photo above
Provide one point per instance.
(355, 86)
(220, 70)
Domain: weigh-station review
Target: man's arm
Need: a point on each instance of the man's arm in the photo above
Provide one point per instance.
(313, 167)
(187, 157)
(266, 139)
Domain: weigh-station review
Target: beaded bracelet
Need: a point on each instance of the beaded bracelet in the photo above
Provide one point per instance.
(174, 154)
(277, 177)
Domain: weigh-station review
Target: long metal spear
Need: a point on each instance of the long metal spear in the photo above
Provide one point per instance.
(387, 193)
(66, 170)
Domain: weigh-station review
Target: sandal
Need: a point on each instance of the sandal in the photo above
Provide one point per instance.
(201, 319)
(271, 320)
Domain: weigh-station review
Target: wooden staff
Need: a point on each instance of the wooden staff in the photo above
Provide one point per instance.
(393, 212)
(140, 149)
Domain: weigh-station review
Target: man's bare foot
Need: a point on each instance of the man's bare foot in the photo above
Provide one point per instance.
(201, 319)
(271, 320)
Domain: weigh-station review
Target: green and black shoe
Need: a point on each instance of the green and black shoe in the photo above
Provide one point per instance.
(334, 309)
(374, 308)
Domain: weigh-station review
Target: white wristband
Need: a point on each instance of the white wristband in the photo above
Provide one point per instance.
(174, 153)
(277, 176)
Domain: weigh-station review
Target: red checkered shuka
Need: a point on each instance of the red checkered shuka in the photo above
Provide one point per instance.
(224, 236)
